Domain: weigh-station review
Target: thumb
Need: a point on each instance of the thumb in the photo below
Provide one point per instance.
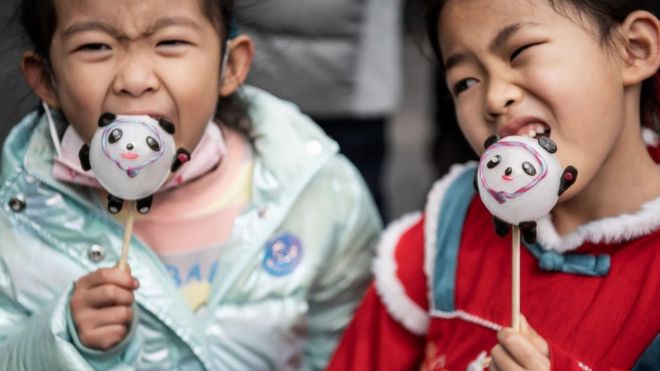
(528, 332)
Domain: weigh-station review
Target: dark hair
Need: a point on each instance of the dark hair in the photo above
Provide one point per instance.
(39, 20)
(606, 15)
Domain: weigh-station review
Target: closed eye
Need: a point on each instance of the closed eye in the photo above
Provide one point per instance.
(516, 53)
(172, 43)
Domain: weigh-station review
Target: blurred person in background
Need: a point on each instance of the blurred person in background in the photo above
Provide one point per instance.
(339, 61)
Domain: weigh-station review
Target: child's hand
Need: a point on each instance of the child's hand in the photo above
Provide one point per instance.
(101, 307)
(525, 350)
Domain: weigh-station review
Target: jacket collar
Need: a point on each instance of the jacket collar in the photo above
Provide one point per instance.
(37, 159)
(290, 148)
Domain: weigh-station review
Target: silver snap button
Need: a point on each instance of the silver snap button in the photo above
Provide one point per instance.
(17, 203)
(96, 253)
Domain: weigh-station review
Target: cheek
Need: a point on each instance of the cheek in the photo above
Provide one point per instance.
(578, 89)
(196, 106)
(474, 130)
(81, 100)
(192, 127)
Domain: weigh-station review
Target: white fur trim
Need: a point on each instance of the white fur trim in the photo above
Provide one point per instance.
(608, 230)
(389, 288)
(432, 211)
(651, 138)
(479, 364)
(467, 317)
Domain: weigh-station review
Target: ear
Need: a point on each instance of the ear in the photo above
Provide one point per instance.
(490, 141)
(640, 33)
(166, 125)
(240, 52)
(36, 72)
(548, 144)
(106, 119)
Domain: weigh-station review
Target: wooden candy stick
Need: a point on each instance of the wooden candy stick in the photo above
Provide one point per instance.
(519, 180)
(128, 232)
(515, 286)
(515, 279)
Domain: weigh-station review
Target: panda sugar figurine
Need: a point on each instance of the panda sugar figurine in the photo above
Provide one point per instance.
(519, 180)
(132, 156)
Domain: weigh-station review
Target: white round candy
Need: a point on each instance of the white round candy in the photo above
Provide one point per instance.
(518, 180)
(131, 157)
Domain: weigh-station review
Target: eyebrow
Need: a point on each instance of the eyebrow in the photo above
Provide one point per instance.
(161, 23)
(78, 27)
(502, 36)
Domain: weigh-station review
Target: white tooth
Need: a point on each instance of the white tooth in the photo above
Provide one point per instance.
(540, 129)
(531, 134)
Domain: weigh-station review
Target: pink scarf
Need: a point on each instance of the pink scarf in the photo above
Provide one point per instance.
(208, 153)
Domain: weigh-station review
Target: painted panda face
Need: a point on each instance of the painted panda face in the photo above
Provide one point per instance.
(518, 180)
(132, 144)
(131, 156)
(511, 168)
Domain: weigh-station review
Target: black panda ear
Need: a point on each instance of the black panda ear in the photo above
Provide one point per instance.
(548, 144)
(83, 155)
(106, 118)
(166, 125)
(491, 140)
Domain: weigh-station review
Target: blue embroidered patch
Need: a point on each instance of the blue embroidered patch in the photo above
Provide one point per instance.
(283, 254)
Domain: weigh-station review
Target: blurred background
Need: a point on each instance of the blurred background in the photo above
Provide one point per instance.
(412, 135)
(15, 98)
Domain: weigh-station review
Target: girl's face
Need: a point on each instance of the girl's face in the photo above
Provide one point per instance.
(517, 67)
(154, 57)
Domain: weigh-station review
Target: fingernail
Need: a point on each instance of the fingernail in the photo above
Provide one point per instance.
(136, 283)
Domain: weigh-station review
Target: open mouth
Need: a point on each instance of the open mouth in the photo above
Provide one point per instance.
(534, 130)
(153, 114)
(508, 178)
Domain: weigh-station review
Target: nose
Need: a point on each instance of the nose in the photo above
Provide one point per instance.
(508, 171)
(501, 95)
(135, 77)
(130, 146)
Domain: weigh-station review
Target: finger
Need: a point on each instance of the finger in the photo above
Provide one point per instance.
(103, 276)
(501, 360)
(103, 338)
(107, 296)
(539, 343)
(492, 366)
(93, 319)
(521, 350)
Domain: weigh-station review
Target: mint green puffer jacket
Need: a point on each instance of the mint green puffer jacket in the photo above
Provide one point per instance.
(53, 233)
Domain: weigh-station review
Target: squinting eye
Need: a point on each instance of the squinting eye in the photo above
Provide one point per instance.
(529, 168)
(115, 135)
(172, 43)
(93, 47)
(153, 144)
(519, 51)
(463, 85)
(494, 161)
